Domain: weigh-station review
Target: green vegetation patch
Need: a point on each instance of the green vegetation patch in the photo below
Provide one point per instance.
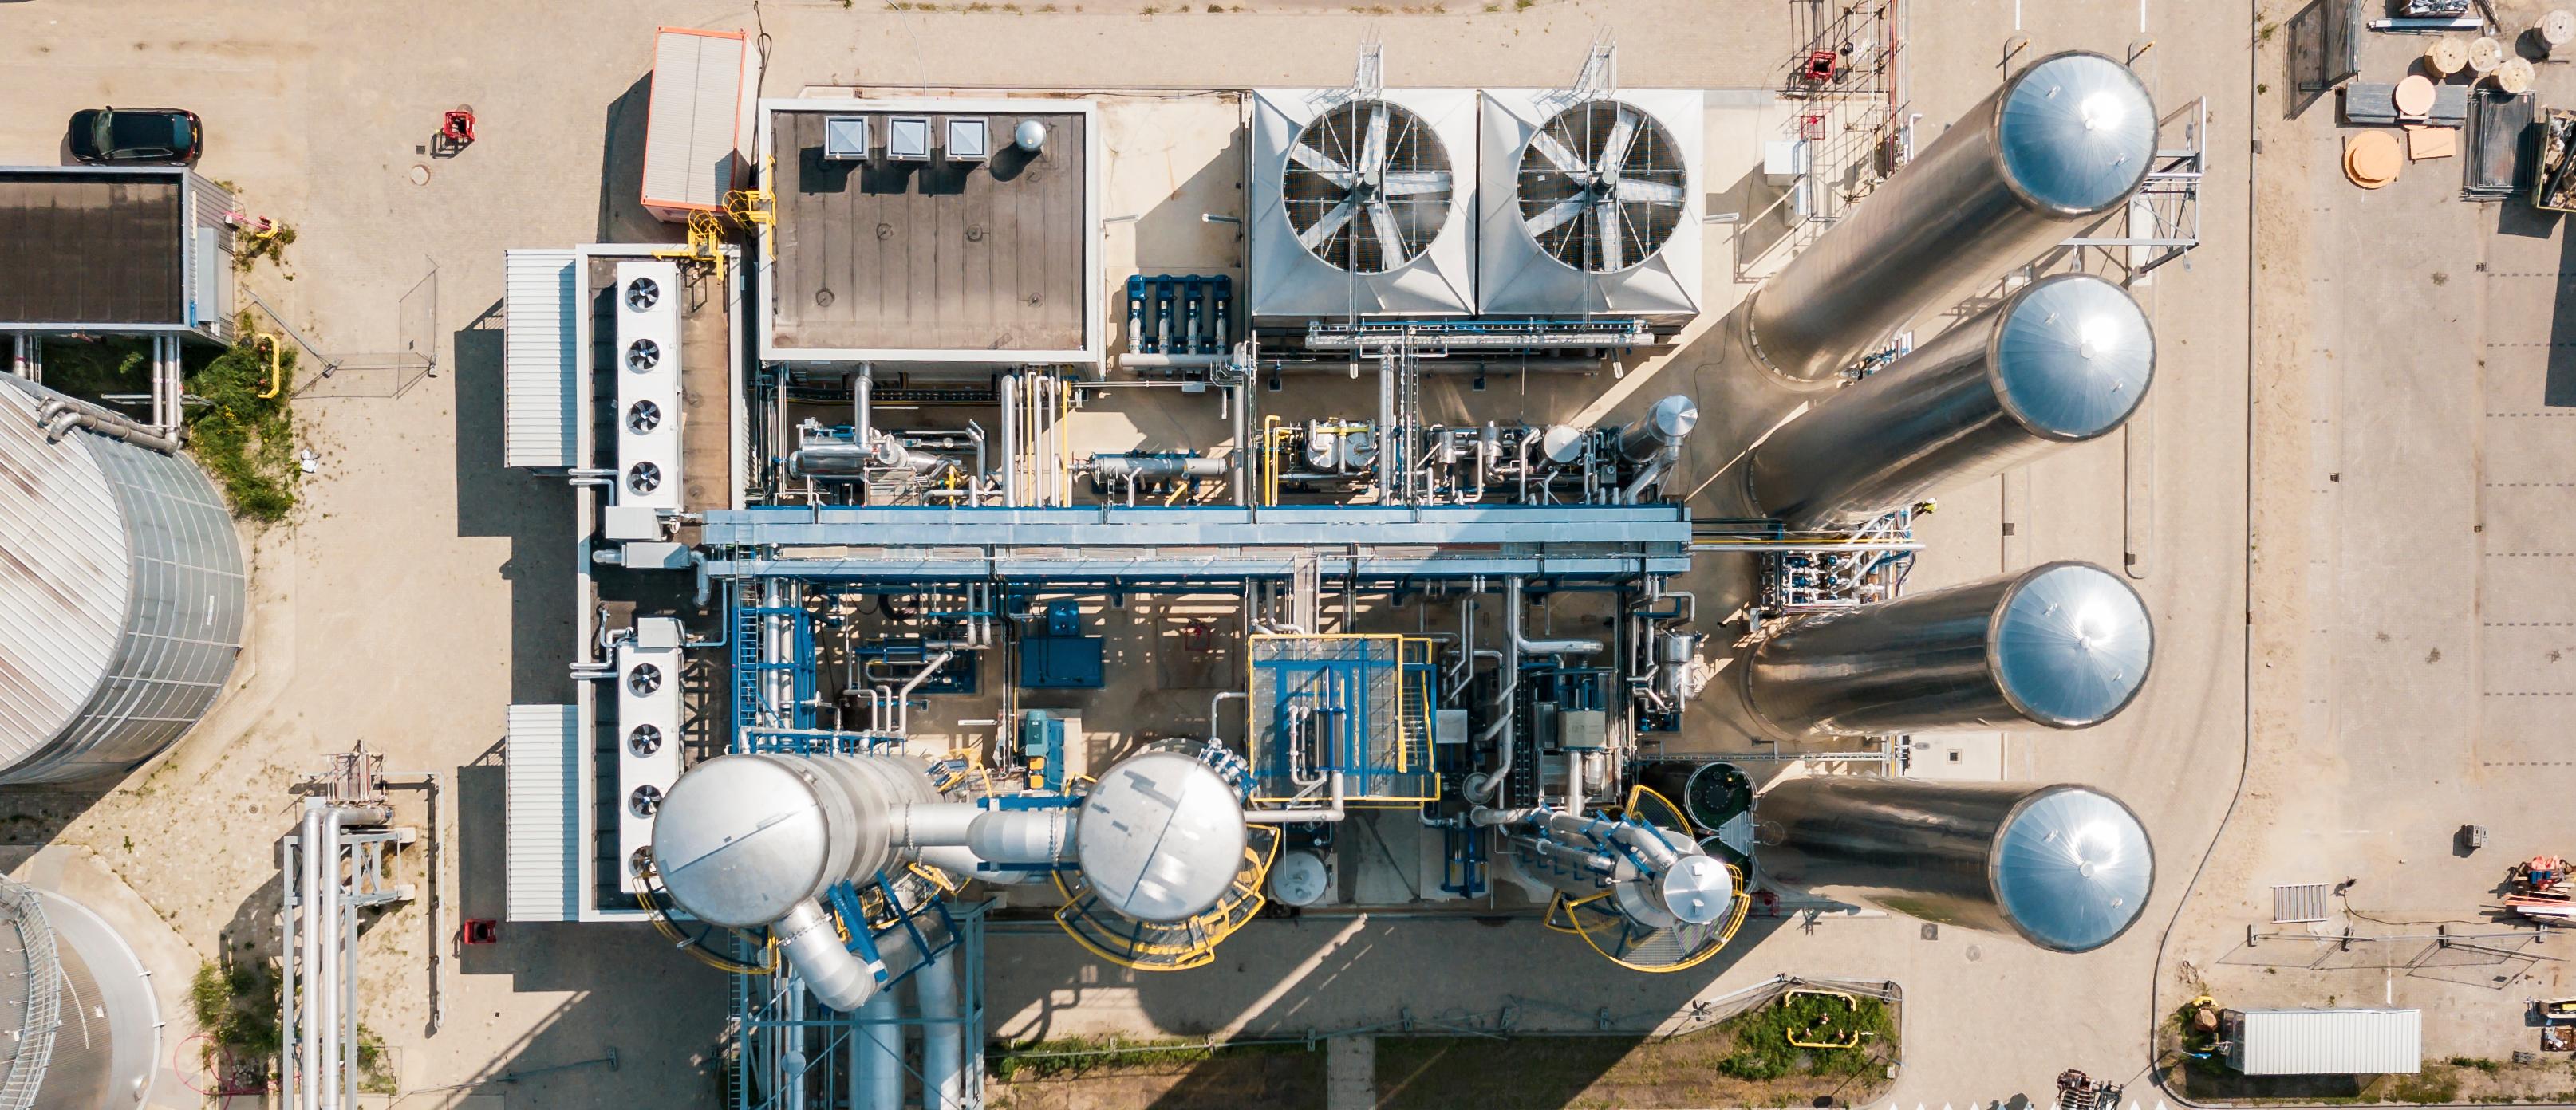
(245, 440)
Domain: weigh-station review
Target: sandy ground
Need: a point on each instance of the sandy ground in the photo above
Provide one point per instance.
(424, 588)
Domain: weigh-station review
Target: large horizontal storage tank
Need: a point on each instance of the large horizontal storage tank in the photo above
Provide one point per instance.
(2064, 360)
(2066, 140)
(83, 1028)
(2065, 645)
(2064, 867)
(124, 591)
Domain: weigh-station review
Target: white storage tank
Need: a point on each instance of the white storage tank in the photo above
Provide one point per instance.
(123, 581)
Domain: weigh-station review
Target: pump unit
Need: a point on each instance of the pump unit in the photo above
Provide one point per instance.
(1362, 205)
(648, 734)
(648, 385)
(1590, 207)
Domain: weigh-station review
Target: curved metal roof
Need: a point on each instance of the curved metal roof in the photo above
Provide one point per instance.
(2071, 645)
(2072, 868)
(2072, 356)
(1161, 837)
(2076, 132)
(741, 839)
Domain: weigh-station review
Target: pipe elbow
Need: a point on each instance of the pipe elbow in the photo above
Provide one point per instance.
(835, 976)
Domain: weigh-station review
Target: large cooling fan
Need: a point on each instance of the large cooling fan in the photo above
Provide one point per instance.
(1367, 187)
(1602, 186)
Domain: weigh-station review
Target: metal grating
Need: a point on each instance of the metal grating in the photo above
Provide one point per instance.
(1359, 705)
(40, 1012)
(2299, 902)
(1367, 187)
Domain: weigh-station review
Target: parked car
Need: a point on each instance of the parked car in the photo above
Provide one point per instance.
(151, 136)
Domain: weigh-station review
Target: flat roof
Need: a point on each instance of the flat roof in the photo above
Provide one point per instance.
(878, 255)
(2329, 1042)
(91, 248)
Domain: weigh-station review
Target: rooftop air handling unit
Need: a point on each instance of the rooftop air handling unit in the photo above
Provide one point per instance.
(1590, 204)
(648, 385)
(1363, 201)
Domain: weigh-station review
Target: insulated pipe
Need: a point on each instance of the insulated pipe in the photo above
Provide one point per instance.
(1527, 646)
(943, 1039)
(2065, 140)
(862, 387)
(1010, 440)
(903, 697)
(307, 1042)
(876, 1056)
(335, 960)
(835, 975)
(2064, 360)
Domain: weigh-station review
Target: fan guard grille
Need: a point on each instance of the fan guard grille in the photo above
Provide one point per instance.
(1602, 186)
(1367, 187)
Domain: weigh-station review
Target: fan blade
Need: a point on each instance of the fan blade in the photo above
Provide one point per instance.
(1648, 192)
(1611, 235)
(1555, 216)
(1373, 152)
(1407, 182)
(1390, 239)
(1320, 162)
(1544, 142)
(1324, 228)
(1614, 150)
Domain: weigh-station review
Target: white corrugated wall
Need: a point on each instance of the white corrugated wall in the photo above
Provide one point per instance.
(2331, 1042)
(544, 819)
(537, 360)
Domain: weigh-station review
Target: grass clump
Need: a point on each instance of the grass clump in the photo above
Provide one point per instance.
(246, 441)
(237, 1008)
(1071, 1057)
(1763, 1051)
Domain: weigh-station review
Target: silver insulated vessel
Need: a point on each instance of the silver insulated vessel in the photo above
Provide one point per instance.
(2066, 359)
(2064, 645)
(2066, 140)
(2064, 867)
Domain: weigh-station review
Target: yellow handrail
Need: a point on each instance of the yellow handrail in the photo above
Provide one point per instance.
(276, 378)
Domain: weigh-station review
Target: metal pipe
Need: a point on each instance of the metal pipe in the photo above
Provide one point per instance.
(1010, 440)
(862, 387)
(903, 697)
(943, 1038)
(812, 947)
(1512, 621)
(307, 1044)
(876, 1056)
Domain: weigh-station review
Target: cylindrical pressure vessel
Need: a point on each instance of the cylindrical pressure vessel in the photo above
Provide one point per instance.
(742, 839)
(1662, 426)
(2066, 645)
(2064, 360)
(2064, 867)
(2067, 139)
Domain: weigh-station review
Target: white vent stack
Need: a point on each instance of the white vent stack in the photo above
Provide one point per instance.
(2065, 645)
(648, 736)
(1590, 207)
(1362, 205)
(2063, 867)
(2065, 359)
(2065, 141)
(648, 386)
